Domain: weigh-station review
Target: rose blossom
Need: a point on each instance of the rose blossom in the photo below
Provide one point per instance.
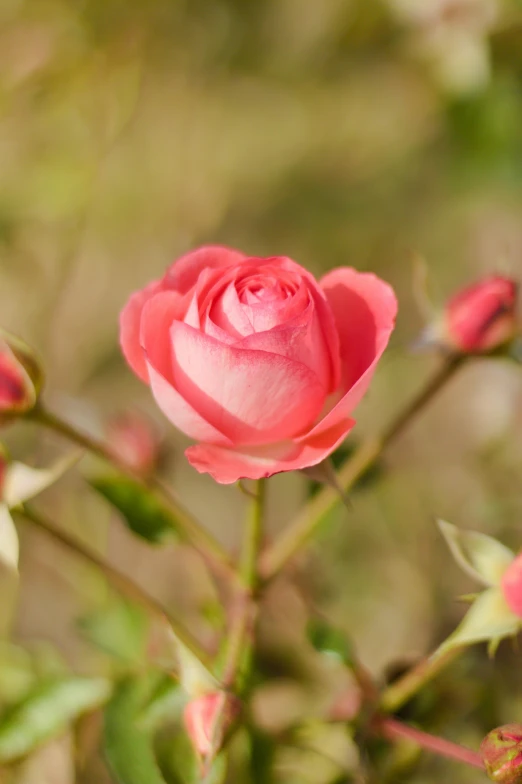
(482, 317)
(255, 359)
(512, 586)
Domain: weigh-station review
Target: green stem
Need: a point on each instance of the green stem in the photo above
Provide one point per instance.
(395, 730)
(305, 525)
(185, 523)
(402, 690)
(245, 609)
(120, 581)
(253, 536)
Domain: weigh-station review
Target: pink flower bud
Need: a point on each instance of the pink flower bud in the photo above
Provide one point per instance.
(511, 584)
(134, 442)
(501, 751)
(481, 317)
(207, 720)
(18, 379)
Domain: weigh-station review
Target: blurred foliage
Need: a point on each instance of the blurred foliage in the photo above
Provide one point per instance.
(337, 132)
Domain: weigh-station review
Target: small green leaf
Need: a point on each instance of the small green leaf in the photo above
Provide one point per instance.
(128, 748)
(23, 482)
(120, 629)
(144, 514)
(482, 557)
(166, 703)
(193, 675)
(330, 641)
(46, 712)
(489, 618)
(17, 673)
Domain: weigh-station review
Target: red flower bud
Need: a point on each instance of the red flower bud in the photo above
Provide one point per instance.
(20, 377)
(511, 584)
(501, 751)
(207, 720)
(134, 442)
(481, 317)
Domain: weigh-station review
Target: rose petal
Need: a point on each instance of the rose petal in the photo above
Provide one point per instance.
(364, 308)
(180, 412)
(229, 315)
(130, 326)
(227, 466)
(156, 319)
(254, 397)
(301, 340)
(184, 273)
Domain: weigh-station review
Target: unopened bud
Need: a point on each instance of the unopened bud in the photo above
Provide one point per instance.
(20, 377)
(478, 319)
(207, 721)
(482, 317)
(501, 751)
(134, 442)
(511, 584)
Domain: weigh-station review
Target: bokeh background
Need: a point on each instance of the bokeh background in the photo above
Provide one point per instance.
(370, 133)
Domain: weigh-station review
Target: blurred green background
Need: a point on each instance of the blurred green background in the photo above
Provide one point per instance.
(337, 132)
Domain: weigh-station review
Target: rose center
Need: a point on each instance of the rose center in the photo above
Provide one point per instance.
(264, 290)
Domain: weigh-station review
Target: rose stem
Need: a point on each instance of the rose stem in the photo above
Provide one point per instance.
(185, 523)
(240, 639)
(309, 518)
(399, 692)
(395, 730)
(243, 615)
(120, 581)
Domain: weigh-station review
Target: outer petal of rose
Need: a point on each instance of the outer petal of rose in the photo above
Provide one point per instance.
(184, 273)
(227, 466)
(156, 319)
(180, 412)
(254, 397)
(130, 326)
(364, 309)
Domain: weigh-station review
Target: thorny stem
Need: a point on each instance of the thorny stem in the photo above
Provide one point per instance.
(121, 582)
(304, 526)
(392, 729)
(399, 692)
(185, 523)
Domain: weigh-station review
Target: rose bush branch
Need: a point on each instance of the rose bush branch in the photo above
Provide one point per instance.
(186, 524)
(395, 730)
(212, 718)
(244, 611)
(308, 520)
(402, 690)
(120, 581)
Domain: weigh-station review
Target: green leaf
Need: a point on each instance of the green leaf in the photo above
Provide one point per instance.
(128, 748)
(144, 514)
(488, 619)
(120, 629)
(166, 703)
(47, 712)
(331, 642)
(17, 673)
(482, 557)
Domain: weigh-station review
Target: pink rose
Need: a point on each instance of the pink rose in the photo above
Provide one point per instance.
(255, 359)
(482, 317)
(512, 586)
